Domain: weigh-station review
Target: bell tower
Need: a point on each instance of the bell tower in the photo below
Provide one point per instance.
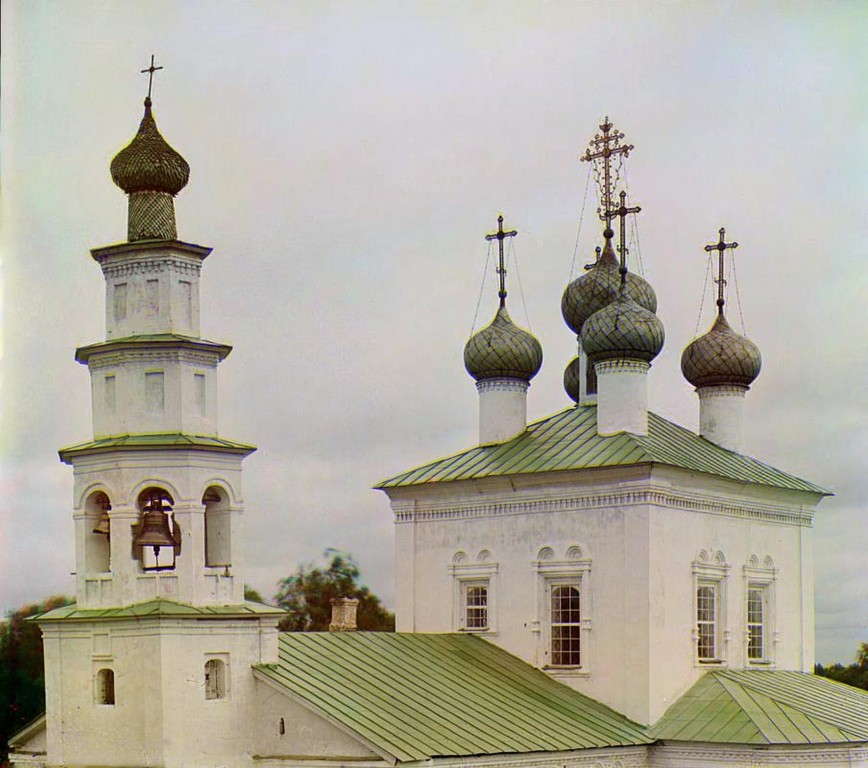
(151, 666)
(158, 502)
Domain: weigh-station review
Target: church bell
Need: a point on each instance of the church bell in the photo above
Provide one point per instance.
(155, 530)
(102, 524)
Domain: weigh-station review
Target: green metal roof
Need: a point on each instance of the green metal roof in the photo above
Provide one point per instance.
(176, 440)
(153, 340)
(158, 607)
(568, 440)
(417, 696)
(766, 707)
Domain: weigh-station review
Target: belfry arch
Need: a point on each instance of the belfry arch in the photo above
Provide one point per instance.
(218, 528)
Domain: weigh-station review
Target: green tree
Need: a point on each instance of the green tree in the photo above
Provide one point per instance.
(250, 593)
(854, 674)
(307, 596)
(22, 670)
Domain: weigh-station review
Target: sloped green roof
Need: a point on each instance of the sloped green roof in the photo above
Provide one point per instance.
(417, 696)
(151, 441)
(766, 707)
(568, 440)
(153, 340)
(157, 607)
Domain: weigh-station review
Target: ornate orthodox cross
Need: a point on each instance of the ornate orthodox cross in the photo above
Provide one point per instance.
(606, 145)
(500, 236)
(720, 246)
(150, 70)
(622, 211)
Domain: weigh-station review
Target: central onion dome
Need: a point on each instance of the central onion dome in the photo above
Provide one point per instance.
(502, 350)
(721, 357)
(148, 163)
(623, 330)
(600, 286)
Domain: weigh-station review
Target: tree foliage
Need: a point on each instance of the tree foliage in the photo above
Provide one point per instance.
(22, 670)
(307, 596)
(854, 674)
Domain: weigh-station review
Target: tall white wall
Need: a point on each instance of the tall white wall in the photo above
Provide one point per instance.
(721, 416)
(502, 409)
(622, 397)
(633, 535)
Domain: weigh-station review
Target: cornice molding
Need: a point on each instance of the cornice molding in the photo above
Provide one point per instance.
(418, 512)
(695, 756)
(115, 358)
(151, 265)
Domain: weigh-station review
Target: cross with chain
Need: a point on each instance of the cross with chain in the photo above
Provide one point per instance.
(500, 236)
(150, 70)
(622, 211)
(720, 246)
(605, 146)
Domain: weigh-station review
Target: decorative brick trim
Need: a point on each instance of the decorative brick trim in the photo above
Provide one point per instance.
(152, 264)
(114, 359)
(501, 385)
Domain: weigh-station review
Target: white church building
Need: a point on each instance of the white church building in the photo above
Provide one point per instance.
(600, 587)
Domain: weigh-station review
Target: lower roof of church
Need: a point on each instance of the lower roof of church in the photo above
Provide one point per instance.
(418, 696)
(568, 440)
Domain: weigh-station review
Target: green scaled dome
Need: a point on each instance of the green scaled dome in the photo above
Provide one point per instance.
(622, 331)
(599, 287)
(573, 379)
(721, 357)
(148, 163)
(502, 350)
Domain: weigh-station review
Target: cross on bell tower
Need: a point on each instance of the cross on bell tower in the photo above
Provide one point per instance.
(500, 236)
(720, 246)
(150, 70)
(606, 145)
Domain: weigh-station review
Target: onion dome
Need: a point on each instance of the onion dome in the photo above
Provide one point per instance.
(573, 380)
(721, 357)
(600, 286)
(623, 330)
(148, 163)
(502, 350)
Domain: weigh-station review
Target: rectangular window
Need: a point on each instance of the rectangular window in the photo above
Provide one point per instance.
(110, 394)
(154, 391)
(152, 297)
(565, 625)
(187, 301)
(706, 622)
(120, 301)
(756, 611)
(476, 606)
(199, 392)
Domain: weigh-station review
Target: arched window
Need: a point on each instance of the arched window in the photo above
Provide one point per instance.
(105, 687)
(566, 627)
(158, 537)
(215, 679)
(218, 538)
(97, 533)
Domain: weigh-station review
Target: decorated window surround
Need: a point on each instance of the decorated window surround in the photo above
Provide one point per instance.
(710, 571)
(573, 570)
(760, 575)
(467, 574)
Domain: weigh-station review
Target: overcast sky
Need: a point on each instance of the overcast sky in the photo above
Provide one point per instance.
(347, 160)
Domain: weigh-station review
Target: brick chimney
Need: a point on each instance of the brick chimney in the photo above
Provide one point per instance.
(343, 614)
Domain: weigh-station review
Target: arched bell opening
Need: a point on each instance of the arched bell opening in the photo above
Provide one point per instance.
(97, 533)
(218, 532)
(157, 536)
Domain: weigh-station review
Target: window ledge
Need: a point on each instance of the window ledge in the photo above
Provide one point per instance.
(566, 671)
(467, 631)
(711, 663)
(760, 663)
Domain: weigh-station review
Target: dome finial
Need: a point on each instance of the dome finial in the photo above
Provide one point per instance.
(606, 145)
(150, 70)
(621, 212)
(500, 236)
(720, 246)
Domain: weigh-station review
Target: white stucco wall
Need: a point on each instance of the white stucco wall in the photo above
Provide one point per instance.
(635, 534)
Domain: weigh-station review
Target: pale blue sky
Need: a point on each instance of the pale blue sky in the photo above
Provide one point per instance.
(347, 159)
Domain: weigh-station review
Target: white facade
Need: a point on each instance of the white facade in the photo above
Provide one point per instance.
(636, 543)
(502, 409)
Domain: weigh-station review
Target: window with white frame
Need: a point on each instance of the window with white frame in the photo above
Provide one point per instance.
(710, 636)
(215, 679)
(759, 576)
(474, 592)
(564, 612)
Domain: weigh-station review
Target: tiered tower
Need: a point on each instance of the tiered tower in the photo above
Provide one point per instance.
(160, 641)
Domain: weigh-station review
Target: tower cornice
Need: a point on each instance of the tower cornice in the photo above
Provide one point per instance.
(148, 246)
(173, 441)
(151, 342)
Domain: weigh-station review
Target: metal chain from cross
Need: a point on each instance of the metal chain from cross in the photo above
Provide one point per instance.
(500, 236)
(720, 246)
(622, 211)
(606, 145)
(150, 70)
